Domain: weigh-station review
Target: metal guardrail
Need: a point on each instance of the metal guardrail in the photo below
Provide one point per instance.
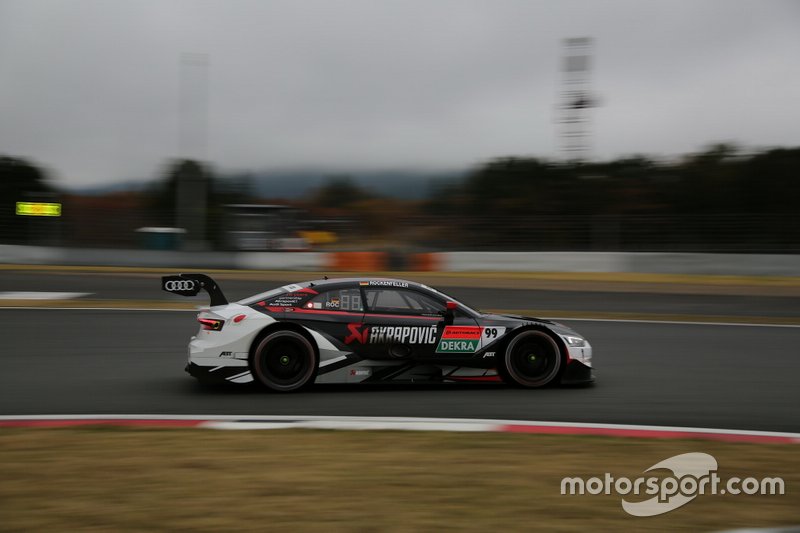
(732, 233)
(112, 227)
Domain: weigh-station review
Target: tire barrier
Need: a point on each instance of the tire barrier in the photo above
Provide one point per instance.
(384, 261)
(357, 261)
(785, 265)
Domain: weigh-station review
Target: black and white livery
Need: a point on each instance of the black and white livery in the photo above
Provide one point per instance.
(368, 330)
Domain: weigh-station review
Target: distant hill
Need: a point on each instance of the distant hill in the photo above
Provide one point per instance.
(393, 183)
(110, 188)
(291, 184)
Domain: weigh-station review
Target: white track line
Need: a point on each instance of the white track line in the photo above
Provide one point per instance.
(674, 322)
(36, 295)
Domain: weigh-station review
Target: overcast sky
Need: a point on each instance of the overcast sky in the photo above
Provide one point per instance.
(91, 89)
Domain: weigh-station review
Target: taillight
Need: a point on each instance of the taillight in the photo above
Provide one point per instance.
(211, 324)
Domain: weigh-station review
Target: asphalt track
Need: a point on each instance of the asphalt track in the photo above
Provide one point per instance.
(75, 361)
(146, 288)
(111, 362)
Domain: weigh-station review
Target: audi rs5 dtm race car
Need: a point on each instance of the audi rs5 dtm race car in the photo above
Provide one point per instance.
(367, 330)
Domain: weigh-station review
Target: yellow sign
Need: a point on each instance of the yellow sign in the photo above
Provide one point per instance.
(38, 209)
(318, 237)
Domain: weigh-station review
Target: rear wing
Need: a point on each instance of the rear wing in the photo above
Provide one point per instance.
(191, 284)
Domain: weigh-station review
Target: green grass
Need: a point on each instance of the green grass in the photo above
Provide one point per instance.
(108, 479)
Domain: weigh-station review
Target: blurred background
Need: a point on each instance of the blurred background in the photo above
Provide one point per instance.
(409, 126)
(172, 133)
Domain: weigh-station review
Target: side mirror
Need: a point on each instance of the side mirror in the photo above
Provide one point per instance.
(450, 312)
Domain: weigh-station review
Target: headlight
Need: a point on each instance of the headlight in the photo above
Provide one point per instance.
(573, 341)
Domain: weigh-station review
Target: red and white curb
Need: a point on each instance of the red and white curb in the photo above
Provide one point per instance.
(243, 422)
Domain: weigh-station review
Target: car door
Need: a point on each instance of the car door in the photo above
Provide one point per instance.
(404, 323)
(336, 313)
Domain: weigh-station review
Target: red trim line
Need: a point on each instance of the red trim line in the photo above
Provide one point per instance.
(487, 379)
(403, 317)
(307, 290)
(646, 433)
(305, 310)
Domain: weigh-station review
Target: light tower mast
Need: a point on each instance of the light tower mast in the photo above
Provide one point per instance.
(576, 99)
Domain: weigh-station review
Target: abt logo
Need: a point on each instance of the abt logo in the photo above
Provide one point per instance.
(357, 334)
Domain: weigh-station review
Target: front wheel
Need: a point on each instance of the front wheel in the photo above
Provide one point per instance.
(532, 359)
(284, 361)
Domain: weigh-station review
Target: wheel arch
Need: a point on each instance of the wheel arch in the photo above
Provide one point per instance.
(281, 326)
(538, 327)
(562, 348)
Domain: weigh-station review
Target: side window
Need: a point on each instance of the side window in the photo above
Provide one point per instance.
(337, 300)
(402, 301)
(288, 299)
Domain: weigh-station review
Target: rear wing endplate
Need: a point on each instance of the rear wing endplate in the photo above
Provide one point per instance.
(191, 284)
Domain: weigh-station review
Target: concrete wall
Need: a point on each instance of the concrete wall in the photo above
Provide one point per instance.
(532, 262)
(652, 263)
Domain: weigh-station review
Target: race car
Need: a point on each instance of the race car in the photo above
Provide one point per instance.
(371, 330)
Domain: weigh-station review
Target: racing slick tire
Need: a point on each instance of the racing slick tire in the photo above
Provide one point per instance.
(284, 361)
(532, 359)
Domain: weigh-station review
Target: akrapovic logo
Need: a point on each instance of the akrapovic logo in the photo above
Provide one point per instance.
(390, 334)
(179, 285)
(402, 335)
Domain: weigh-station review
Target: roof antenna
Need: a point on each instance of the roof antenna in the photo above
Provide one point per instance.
(325, 276)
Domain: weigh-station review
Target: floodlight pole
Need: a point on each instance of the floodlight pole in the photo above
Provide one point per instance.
(576, 100)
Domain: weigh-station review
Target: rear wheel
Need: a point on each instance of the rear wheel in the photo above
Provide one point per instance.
(284, 361)
(532, 359)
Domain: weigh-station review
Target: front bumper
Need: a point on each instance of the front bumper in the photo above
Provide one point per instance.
(577, 373)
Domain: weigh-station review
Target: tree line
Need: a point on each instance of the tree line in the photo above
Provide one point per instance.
(719, 199)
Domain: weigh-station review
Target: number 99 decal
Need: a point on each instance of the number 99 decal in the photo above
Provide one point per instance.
(491, 334)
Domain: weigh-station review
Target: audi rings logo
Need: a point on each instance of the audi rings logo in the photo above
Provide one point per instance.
(179, 285)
